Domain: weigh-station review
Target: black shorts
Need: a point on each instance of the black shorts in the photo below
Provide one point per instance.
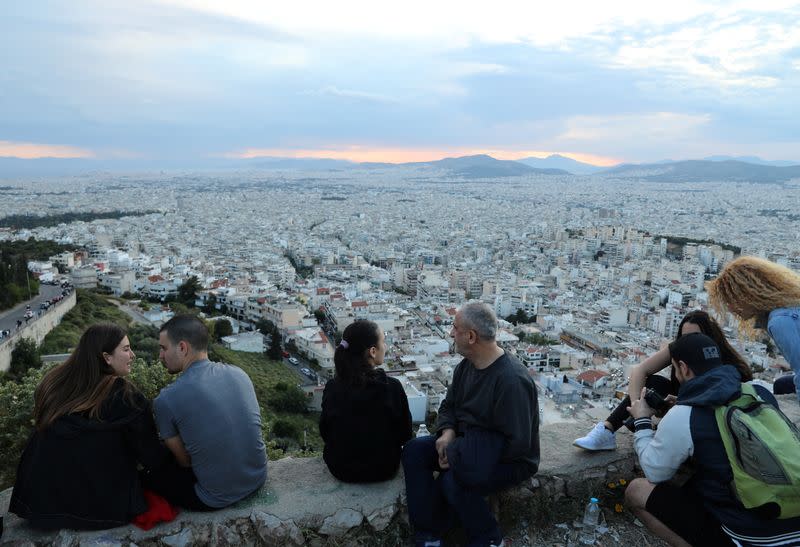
(682, 511)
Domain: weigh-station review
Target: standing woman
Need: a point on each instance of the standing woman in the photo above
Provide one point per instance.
(763, 294)
(79, 469)
(365, 417)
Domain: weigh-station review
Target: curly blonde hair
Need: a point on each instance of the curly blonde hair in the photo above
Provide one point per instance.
(756, 283)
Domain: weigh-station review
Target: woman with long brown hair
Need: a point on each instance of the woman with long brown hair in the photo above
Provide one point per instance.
(763, 295)
(93, 427)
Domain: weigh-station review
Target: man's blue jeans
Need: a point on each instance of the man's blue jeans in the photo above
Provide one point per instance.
(432, 502)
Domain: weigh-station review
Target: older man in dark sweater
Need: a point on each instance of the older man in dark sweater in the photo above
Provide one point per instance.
(487, 437)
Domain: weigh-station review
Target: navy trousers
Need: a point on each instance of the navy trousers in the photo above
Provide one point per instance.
(433, 502)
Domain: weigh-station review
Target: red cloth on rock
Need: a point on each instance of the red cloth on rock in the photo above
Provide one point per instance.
(158, 510)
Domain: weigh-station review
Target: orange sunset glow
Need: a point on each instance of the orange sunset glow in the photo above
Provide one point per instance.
(29, 150)
(403, 155)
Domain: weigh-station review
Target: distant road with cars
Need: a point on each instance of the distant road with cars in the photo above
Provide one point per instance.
(301, 369)
(34, 307)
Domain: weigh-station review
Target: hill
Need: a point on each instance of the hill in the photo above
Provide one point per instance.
(706, 171)
(556, 161)
(484, 166)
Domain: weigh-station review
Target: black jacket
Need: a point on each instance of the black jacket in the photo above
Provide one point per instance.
(364, 428)
(501, 398)
(81, 473)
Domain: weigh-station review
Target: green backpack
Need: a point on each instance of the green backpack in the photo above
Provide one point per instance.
(763, 448)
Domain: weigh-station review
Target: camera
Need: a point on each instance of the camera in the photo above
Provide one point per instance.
(656, 401)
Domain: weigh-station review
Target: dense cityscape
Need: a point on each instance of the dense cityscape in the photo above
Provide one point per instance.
(594, 272)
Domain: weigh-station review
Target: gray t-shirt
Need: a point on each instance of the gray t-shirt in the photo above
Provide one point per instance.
(213, 407)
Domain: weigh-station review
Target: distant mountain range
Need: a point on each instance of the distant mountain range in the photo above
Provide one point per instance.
(713, 168)
(556, 161)
(483, 166)
(705, 171)
(753, 159)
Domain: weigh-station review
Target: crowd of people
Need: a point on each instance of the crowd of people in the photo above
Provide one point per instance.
(101, 453)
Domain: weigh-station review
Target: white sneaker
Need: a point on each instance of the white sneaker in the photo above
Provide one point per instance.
(598, 438)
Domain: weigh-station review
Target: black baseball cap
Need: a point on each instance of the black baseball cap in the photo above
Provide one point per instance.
(697, 350)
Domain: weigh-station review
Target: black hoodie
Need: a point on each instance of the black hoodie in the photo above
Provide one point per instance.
(81, 472)
(364, 428)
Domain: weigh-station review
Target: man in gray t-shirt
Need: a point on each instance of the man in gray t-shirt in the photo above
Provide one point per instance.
(210, 419)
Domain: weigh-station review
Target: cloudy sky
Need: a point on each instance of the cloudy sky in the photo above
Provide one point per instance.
(602, 82)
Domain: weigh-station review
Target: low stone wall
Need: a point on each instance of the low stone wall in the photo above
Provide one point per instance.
(302, 500)
(302, 503)
(36, 329)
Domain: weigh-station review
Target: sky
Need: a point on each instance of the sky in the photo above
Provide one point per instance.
(601, 82)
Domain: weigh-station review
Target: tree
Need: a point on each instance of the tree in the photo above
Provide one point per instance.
(222, 328)
(210, 306)
(275, 351)
(187, 292)
(24, 357)
(518, 317)
(320, 316)
(265, 326)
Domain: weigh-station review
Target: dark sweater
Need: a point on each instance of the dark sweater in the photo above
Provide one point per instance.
(500, 398)
(81, 473)
(364, 428)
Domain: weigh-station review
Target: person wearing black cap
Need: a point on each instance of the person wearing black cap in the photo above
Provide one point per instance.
(704, 511)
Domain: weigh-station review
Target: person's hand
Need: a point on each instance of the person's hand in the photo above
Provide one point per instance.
(445, 439)
(639, 408)
(669, 400)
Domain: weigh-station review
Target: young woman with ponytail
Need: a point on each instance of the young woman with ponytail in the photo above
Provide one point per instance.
(365, 417)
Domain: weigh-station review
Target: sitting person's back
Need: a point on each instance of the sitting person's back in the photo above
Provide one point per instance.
(213, 408)
(210, 419)
(79, 469)
(365, 417)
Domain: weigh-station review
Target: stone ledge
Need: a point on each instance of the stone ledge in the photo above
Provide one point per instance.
(303, 499)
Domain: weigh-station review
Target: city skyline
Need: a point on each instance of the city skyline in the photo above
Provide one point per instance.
(184, 79)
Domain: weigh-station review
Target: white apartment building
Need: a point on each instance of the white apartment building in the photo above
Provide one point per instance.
(314, 344)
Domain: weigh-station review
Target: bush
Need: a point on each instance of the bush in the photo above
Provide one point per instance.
(149, 377)
(286, 398)
(16, 422)
(285, 429)
(16, 400)
(24, 357)
(222, 328)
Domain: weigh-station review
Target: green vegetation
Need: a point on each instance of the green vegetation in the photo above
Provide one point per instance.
(681, 241)
(19, 222)
(23, 358)
(187, 292)
(16, 422)
(536, 338)
(16, 283)
(288, 428)
(16, 400)
(90, 308)
(222, 328)
(520, 317)
(267, 328)
(302, 271)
